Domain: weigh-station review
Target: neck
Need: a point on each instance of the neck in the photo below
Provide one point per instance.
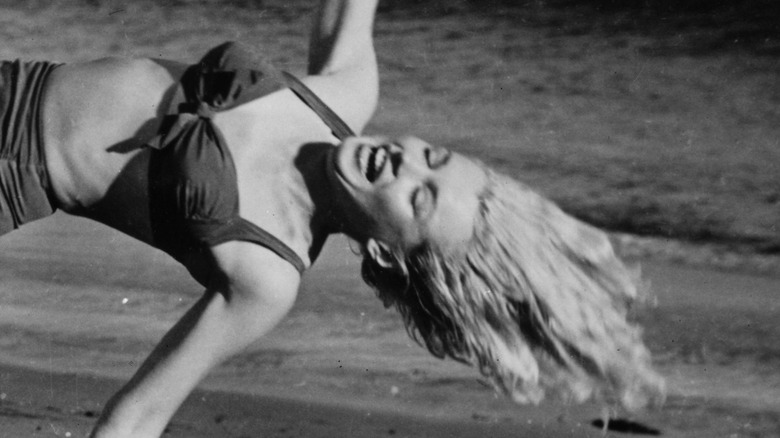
(311, 161)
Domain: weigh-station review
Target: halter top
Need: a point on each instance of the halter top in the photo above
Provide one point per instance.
(193, 188)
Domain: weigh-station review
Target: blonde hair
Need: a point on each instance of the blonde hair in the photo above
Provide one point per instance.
(537, 301)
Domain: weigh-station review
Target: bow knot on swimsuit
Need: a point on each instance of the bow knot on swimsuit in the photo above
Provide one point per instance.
(201, 109)
(192, 177)
(204, 110)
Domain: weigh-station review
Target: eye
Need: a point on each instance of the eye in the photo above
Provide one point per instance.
(422, 201)
(437, 156)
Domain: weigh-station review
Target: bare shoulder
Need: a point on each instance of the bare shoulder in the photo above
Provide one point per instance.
(249, 268)
(106, 78)
(132, 70)
(352, 95)
(117, 94)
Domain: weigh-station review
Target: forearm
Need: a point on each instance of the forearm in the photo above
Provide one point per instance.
(211, 331)
(342, 63)
(342, 36)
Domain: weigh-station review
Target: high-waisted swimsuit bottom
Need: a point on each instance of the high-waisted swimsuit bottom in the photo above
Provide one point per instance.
(24, 183)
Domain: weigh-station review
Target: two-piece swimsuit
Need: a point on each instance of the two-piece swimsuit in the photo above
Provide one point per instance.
(193, 188)
(192, 177)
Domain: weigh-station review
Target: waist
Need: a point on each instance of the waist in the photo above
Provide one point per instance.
(22, 86)
(27, 194)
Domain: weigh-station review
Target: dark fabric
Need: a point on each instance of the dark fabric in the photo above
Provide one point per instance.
(340, 129)
(193, 189)
(24, 184)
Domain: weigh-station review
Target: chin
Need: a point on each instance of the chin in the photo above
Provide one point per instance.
(341, 178)
(345, 163)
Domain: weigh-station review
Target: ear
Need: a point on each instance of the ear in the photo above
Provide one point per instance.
(381, 253)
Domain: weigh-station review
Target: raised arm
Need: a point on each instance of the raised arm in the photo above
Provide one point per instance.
(342, 63)
(258, 290)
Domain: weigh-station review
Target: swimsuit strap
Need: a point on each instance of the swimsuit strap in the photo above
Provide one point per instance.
(271, 242)
(244, 230)
(340, 129)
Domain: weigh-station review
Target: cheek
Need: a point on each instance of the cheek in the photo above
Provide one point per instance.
(389, 208)
(392, 214)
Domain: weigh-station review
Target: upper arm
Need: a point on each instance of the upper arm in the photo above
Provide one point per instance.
(342, 62)
(351, 93)
(251, 275)
(256, 293)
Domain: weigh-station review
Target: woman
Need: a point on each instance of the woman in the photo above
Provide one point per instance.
(241, 172)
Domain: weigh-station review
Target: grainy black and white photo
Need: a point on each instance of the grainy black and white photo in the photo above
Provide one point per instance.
(389, 218)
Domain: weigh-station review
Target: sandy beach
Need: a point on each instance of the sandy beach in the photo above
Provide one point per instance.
(340, 364)
(45, 404)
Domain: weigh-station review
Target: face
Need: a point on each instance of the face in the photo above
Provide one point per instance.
(406, 192)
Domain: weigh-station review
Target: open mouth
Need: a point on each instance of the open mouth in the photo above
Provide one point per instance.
(371, 160)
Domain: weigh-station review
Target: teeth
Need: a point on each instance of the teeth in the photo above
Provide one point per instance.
(370, 160)
(379, 161)
(363, 157)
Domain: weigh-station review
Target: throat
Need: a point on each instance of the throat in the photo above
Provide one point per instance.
(312, 190)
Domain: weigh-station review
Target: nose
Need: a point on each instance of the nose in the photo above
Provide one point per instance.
(409, 158)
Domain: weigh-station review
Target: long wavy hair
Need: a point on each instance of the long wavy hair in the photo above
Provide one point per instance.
(538, 300)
